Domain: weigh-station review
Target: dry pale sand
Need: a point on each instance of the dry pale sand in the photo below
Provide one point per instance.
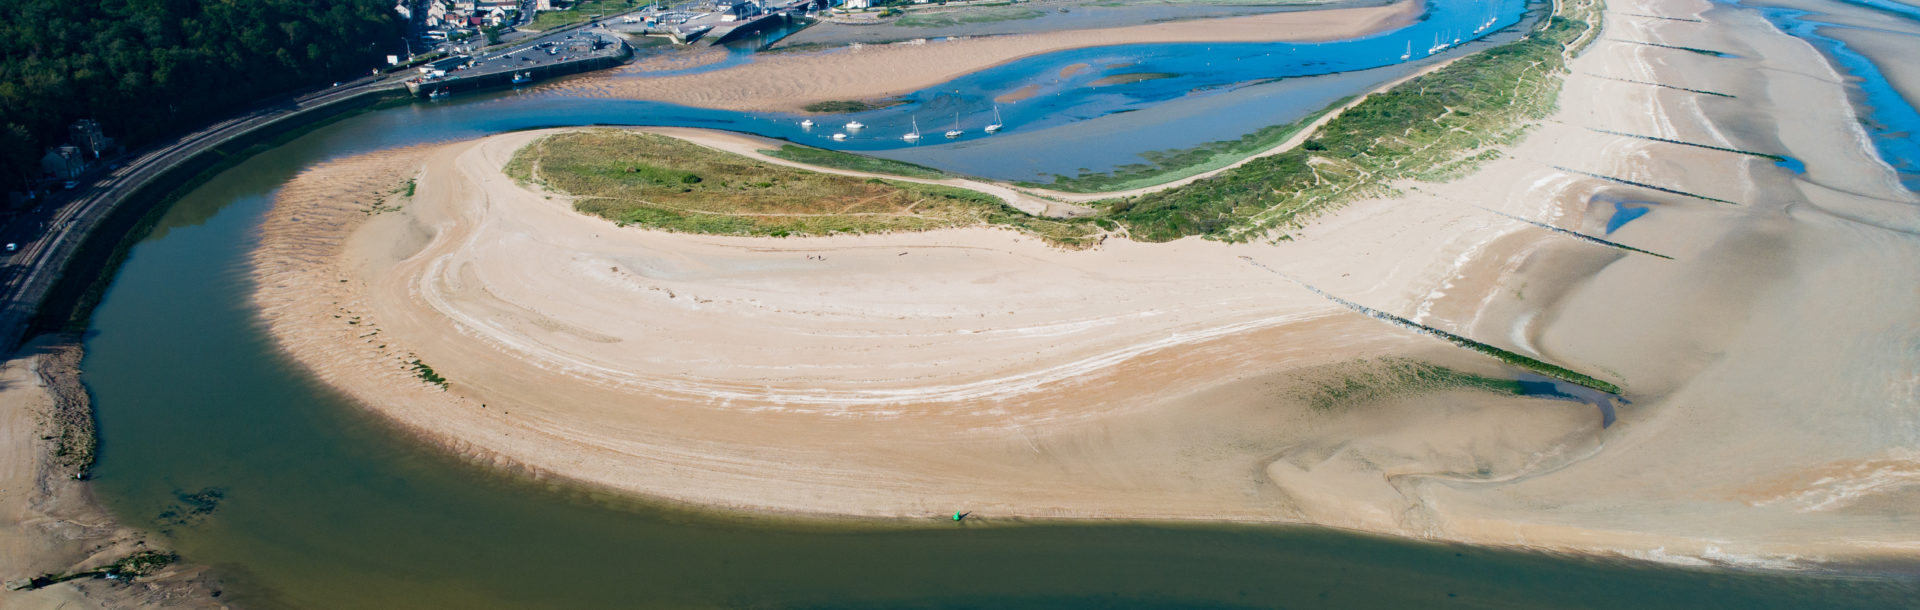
(788, 81)
(1771, 365)
(49, 522)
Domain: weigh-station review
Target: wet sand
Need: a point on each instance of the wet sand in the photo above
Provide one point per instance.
(1038, 17)
(1769, 364)
(49, 522)
(789, 81)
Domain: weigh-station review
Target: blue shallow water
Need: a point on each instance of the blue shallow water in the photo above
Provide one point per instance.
(1890, 119)
(1624, 212)
(1793, 165)
(1211, 92)
(1194, 68)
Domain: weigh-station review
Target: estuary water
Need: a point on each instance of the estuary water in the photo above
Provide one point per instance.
(242, 461)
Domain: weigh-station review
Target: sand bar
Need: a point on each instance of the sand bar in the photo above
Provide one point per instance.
(909, 375)
(788, 81)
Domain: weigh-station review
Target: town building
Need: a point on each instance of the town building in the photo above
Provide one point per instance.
(86, 134)
(65, 162)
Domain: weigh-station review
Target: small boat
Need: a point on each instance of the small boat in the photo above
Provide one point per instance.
(437, 94)
(996, 120)
(913, 136)
(955, 133)
(521, 78)
(839, 136)
(1409, 52)
(806, 124)
(855, 124)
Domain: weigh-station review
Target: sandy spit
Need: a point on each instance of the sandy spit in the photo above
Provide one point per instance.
(1769, 364)
(50, 522)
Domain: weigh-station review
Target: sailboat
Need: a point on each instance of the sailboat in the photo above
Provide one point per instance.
(1409, 52)
(996, 120)
(913, 136)
(955, 133)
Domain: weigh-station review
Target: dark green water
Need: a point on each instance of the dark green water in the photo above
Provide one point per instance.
(321, 507)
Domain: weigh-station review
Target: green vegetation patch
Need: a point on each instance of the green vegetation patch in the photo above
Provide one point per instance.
(579, 12)
(1433, 127)
(663, 183)
(1130, 78)
(844, 106)
(1349, 384)
(425, 373)
(152, 70)
(1165, 166)
(852, 162)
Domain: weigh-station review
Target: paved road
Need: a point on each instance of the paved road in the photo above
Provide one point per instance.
(49, 235)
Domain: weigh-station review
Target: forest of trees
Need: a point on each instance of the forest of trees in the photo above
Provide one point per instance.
(150, 68)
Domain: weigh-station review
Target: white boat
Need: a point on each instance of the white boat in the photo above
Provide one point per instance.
(521, 78)
(996, 120)
(913, 136)
(855, 125)
(806, 124)
(1409, 52)
(955, 132)
(437, 94)
(839, 136)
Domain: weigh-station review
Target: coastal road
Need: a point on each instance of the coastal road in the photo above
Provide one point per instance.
(50, 234)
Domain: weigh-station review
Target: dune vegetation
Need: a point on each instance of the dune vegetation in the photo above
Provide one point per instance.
(852, 162)
(659, 182)
(1433, 127)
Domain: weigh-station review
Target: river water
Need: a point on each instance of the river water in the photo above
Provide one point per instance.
(299, 499)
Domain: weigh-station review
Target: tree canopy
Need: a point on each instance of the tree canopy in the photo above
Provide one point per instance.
(149, 68)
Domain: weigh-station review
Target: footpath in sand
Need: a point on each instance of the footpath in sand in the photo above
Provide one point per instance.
(1769, 363)
(784, 82)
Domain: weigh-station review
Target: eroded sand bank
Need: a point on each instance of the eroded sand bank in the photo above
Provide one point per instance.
(788, 81)
(1771, 363)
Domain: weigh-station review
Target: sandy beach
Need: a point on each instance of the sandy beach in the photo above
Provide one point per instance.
(1769, 364)
(49, 522)
(785, 82)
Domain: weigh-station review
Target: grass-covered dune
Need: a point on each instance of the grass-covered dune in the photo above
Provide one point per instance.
(1434, 127)
(849, 161)
(658, 182)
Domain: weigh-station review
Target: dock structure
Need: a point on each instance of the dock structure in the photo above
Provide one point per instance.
(517, 66)
(775, 13)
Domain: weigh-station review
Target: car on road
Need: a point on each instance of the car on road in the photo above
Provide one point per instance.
(71, 184)
(13, 247)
